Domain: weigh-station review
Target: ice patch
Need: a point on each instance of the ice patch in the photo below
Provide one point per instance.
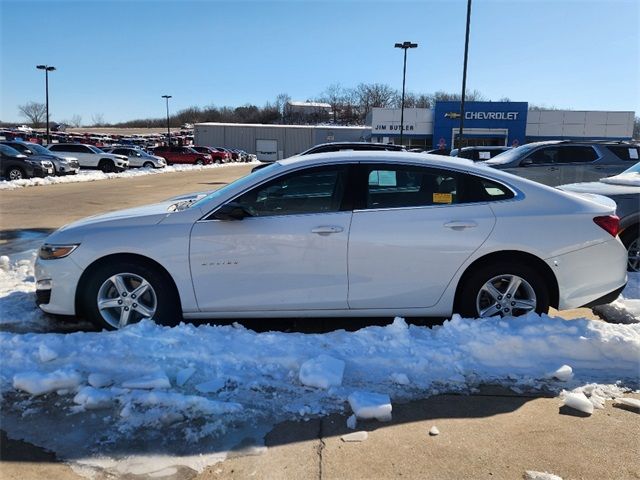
(628, 402)
(367, 405)
(352, 421)
(355, 437)
(564, 373)
(148, 382)
(322, 372)
(578, 401)
(93, 398)
(46, 354)
(184, 375)
(37, 383)
(99, 380)
(533, 475)
(400, 378)
(212, 386)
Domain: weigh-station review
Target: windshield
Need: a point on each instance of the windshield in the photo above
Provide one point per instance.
(95, 149)
(246, 180)
(509, 155)
(34, 147)
(12, 152)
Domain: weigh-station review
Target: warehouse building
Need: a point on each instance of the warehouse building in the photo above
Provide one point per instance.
(486, 123)
(274, 142)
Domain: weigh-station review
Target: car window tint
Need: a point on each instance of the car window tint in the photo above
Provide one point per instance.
(577, 154)
(476, 189)
(625, 152)
(407, 186)
(544, 156)
(316, 190)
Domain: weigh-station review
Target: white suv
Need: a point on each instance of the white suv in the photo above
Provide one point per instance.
(92, 157)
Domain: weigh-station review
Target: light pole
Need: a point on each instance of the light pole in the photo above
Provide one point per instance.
(405, 46)
(167, 97)
(464, 75)
(47, 69)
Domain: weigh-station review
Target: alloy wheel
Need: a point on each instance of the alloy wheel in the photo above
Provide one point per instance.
(505, 295)
(126, 298)
(15, 174)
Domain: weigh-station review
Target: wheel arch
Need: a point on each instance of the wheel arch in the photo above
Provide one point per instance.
(123, 257)
(514, 256)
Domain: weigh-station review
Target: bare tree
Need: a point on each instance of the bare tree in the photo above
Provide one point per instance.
(372, 95)
(76, 121)
(97, 119)
(281, 105)
(35, 112)
(334, 95)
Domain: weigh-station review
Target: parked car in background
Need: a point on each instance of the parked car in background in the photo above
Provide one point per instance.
(478, 154)
(92, 157)
(182, 155)
(559, 162)
(17, 166)
(439, 151)
(216, 155)
(138, 157)
(61, 165)
(624, 189)
(355, 146)
(341, 234)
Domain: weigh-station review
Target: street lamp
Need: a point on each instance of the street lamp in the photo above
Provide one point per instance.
(167, 97)
(405, 46)
(47, 69)
(464, 75)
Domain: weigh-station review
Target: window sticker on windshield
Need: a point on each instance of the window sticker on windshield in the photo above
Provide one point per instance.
(442, 198)
(484, 155)
(633, 153)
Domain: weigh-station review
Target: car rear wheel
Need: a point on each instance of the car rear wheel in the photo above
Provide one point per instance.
(15, 173)
(502, 290)
(199, 162)
(121, 293)
(631, 240)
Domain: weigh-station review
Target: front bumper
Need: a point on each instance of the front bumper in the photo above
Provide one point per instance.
(60, 278)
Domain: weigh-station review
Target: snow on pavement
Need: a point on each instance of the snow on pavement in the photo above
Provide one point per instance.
(95, 175)
(121, 400)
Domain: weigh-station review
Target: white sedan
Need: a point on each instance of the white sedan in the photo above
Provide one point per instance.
(340, 234)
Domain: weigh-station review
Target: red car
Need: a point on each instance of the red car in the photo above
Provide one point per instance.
(218, 156)
(176, 154)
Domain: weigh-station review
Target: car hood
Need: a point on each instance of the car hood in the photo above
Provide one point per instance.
(145, 215)
(601, 188)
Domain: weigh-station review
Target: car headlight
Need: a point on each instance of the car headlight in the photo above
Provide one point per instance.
(52, 252)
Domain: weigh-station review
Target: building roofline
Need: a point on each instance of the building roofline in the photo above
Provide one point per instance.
(266, 125)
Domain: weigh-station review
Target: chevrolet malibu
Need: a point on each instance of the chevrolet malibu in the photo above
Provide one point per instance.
(340, 234)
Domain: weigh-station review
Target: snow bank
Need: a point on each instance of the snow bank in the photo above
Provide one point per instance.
(95, 175)
(194, 385)
(626, 308)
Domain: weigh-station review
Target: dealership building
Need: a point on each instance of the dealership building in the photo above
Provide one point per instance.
(485, 123)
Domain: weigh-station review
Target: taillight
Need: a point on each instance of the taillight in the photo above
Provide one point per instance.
(610, 223)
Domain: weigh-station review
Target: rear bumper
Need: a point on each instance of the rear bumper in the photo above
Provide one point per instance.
(590, 274)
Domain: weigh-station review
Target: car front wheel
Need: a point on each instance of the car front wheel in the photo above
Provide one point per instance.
(15, 173)
(121, 293)
(506, 290)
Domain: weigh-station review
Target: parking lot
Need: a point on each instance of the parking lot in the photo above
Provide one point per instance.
(486, 432)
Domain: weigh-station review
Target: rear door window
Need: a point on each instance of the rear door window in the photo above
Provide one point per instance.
(577, 154)
(625, 152)
(544, 156)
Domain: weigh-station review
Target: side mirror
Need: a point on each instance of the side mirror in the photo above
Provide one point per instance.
(231, 211)
(526, 162)
(138, 155)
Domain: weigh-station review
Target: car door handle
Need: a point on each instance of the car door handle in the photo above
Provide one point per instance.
(327, 229)
(460, 225)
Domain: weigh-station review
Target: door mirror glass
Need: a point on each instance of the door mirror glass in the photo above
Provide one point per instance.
(231, 211)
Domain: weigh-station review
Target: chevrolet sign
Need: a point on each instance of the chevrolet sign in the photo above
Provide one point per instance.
(490, 115)
(453, 115)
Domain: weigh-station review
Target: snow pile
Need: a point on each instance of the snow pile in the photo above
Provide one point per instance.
(37, 383)
(533, 475)
(95, 175)
(322, 372)
(626, 308)
(578, 401)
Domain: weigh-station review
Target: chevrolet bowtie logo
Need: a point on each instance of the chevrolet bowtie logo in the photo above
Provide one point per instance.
(452, 115)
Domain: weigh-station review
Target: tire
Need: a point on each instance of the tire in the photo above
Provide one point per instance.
(107, 166)
(159, 301)
(631, 241)
(199, 162)
(474, 299)
(148, 165)
(15, 173)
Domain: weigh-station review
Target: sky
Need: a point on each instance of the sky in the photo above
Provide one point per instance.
(117, 58)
